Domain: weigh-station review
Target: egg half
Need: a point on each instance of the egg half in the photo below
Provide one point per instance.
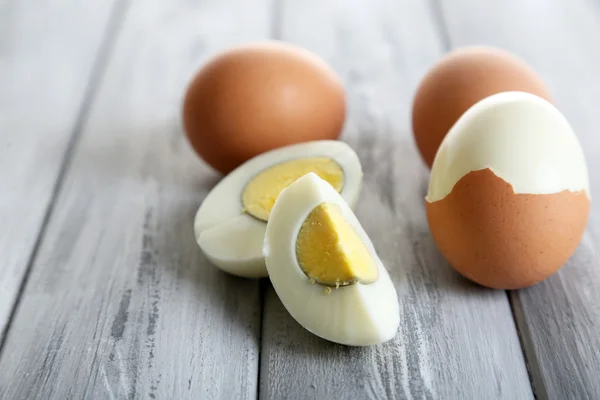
(508, 196)
(325, 269)
(230, 223)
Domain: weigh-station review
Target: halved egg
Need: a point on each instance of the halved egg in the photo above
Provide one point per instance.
(231, 221)
(325, 269)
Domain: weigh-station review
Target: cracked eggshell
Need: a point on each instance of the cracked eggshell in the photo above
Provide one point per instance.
(508, 197)
(357, 314)
(233, 240)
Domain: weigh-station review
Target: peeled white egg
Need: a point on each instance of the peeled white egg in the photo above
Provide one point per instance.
(325, 269)
(231, 221)
(521, 138)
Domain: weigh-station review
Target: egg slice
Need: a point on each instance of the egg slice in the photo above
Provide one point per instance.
(325, 269)
(508, 196)
(231, 221)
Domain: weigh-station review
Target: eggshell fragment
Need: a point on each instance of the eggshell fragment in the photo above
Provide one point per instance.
(505, 240)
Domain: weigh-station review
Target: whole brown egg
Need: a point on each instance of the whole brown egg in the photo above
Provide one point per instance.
(459, 80)
(260, 96)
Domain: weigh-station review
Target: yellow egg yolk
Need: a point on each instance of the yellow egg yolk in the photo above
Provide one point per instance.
(329, 250)
(261, 192)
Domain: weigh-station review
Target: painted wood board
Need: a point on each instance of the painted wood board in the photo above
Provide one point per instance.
(456, 340)
(120, 302)
(559, 319)
(48, 62)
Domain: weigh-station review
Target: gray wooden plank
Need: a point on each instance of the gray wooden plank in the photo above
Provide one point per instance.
(47, 56)
(120, 302)
(456, 340)
(559, 318)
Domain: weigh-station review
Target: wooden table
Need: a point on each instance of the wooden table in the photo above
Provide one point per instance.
(104, 293)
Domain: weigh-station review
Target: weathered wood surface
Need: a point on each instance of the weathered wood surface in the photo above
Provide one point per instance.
(48, 51)
(456, 341)
(120, 302)
(559, 318)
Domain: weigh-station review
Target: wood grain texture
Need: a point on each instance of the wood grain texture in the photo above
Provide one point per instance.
(456, 340)
(47, 55)
(120, 302)
(559, 318)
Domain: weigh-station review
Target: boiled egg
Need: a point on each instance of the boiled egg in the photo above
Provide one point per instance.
(325, 269)
(230, 223)
(258, 96)
(508, 196)
(460, 79)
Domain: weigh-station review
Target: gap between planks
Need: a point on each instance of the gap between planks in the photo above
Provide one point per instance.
(557, 318)
(102, 254)
(115, 21)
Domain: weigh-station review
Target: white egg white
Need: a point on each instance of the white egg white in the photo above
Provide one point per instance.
(358, 314)
(520, 137)
(233, 240)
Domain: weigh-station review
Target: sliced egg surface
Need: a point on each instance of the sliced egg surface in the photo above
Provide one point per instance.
(324, 268)
(230, 223)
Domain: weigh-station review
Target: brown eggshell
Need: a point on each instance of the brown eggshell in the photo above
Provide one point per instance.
(459, 80)
(261, 96)
(504, 240)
